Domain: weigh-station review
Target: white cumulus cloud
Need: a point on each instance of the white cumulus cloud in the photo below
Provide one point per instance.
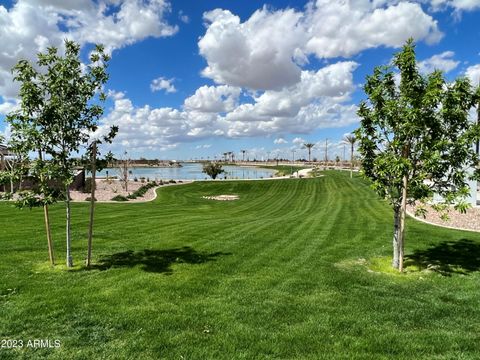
(344, 28)
(473, 73)
(255, 54)
(30, 26)
(443, 62)
(213, 99)
(163, 84)
(458, 5)
(280, 141)
(268, 50)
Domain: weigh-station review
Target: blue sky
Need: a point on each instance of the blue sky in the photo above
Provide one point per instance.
(195, 79)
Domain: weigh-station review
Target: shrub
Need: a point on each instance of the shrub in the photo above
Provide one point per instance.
(172, 181)
(213, 169)
(90, 198)
(119, 198)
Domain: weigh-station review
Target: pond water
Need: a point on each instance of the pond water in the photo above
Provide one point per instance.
(191, 171)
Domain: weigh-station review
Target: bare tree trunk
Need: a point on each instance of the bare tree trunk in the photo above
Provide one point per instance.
(351, 163)
(126, 176)
(399, 229)
(396, 237)
(9, 166)
(47, 225)
(403, 211)
(20, 176)
(92, 205)
(49, 236)
(68, 229)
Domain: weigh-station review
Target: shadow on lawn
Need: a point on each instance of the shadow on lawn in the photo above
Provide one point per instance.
(448, 257)
(157, 261)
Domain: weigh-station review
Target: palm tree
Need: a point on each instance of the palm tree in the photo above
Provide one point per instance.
(309, 147)
(225, 154)
(351, 139)
(243, 152)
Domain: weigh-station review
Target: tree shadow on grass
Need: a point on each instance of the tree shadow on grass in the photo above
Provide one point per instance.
(156, 261)
(448, 257)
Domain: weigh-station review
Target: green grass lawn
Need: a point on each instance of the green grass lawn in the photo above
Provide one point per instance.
(277, 274)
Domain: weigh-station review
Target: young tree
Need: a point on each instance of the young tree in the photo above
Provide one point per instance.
(124, 170)
(62, 99)
(416, 139)
(94, 162)
(213, 169)
(309, 147)
(351, 139)
(27, 127)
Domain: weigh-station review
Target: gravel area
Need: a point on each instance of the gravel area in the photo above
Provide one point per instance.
(107, 189)
(222, 197)
(468, 221)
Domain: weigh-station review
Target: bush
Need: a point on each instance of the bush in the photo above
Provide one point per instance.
(90, 198)
(119, 198)
(213, 169)
(140, 192)
(172, 182)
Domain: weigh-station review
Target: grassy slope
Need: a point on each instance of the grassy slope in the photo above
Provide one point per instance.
(271, 275)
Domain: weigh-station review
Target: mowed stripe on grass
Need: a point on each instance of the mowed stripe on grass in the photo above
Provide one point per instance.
(276, 274)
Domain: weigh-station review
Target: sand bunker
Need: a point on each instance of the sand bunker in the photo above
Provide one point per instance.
(222, 197)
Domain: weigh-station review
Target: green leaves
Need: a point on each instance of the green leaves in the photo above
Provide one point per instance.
(213, 169)
(419, 129)
(61, 104)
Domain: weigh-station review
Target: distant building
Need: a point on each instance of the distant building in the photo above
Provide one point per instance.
(3, 153)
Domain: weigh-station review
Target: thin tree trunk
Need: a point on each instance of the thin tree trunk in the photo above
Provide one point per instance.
(403, 211)
(92, 205)
(49, 236)
(399, 229)
(396, 237)
(68, 229)
(125, 175)
(20, 176)
(351, 163)
(51, 254)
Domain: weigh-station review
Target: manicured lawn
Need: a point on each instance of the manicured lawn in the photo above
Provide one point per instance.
(277, 274)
